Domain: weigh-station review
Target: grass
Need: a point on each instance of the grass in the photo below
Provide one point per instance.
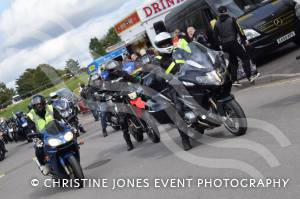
(72, 84)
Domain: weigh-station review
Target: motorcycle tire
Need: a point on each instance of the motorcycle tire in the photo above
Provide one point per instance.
(138, 136)
(2, 154)
(234, 111)
(2, 151)
(77, 172)
(116, 128)
(152, 135)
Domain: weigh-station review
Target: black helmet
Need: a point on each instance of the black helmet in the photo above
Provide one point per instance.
(29, 106)
(222, 9)
(38, 103)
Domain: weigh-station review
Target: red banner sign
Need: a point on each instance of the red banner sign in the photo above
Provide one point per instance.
(159, 6)
(128, 22)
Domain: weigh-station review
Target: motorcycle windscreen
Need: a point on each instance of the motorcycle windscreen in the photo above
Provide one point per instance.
(61, 105)
(54, 128)
(199, 64)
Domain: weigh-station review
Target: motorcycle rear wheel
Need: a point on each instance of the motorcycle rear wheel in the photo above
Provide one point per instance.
(236, 122)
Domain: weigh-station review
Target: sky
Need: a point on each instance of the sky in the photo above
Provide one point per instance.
(33, 32)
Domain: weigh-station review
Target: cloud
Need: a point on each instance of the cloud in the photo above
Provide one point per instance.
(73, 43)
(24, 18)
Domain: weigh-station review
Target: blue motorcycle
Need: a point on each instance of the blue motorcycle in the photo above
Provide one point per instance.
(61, 151)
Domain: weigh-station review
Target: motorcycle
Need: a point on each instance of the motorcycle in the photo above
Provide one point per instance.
(61, 152)
(68, 114)
(140, 121)
(105, 103)
(13, 129)
(2, 147)
(24, 127)
(203, 87)
(7, 133)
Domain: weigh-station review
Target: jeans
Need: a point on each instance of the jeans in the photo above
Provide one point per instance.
(103, 116)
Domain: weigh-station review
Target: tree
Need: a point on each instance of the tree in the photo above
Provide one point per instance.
(97, 47)
(72, 67)
(6, 94)
(34, 80)
(111, 38)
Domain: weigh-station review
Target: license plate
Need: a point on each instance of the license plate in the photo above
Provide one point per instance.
(286, 37)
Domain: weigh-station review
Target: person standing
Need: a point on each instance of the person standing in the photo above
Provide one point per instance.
(194, 35)
(227, 31)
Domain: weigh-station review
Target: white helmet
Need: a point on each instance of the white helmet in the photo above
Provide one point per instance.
(163, 42)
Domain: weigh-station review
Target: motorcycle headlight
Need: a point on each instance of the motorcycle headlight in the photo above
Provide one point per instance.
(70, 111)
(54, 142)
(251, 34)
(211, 78)
(68, 136)
(132, 95)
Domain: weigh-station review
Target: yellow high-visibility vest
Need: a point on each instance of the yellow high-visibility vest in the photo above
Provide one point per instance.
(39, 122)
(183, 44)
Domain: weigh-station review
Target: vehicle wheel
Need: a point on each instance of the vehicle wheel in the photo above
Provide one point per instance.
(236, 121)
(116, 128)
(153, 135)
(138, 136)
(77, 172)
(2, 151)
(152, 132)
(2, 155)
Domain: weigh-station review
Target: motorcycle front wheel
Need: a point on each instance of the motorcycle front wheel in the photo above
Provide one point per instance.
(235, 118)
(76, 172)
(153, 136)
(137, 134)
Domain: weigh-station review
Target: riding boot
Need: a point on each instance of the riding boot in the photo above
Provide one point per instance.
(128, 141)
(81, 129)
(104, 132)
(185, 141)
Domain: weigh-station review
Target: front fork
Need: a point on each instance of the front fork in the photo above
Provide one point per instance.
(218, 105)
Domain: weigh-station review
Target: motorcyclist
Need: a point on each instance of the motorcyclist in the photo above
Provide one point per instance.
(164, 44)
(54, 98)
(41, 115)
(113, 72)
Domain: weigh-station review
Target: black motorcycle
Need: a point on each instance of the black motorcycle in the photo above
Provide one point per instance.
(2, 147)
(139, 120)
(6, 132)
(24, 127)
(104, 102)
(68, 114)
(203, 90)
(13, 128)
